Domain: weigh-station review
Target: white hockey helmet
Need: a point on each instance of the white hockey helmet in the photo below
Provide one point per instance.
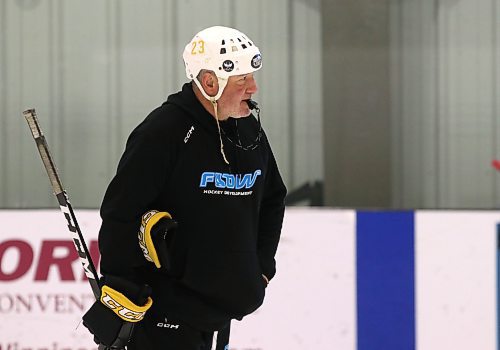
(223, 50)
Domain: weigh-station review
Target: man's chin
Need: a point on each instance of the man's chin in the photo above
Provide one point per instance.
(243, 113)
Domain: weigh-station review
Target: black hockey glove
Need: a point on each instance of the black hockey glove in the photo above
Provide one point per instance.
(154, 234)
(111, 319)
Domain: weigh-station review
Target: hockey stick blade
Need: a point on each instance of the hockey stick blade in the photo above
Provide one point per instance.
(64, 204)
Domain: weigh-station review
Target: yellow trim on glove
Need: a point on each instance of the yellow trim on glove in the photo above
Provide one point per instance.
(122, 306)
(149, 219)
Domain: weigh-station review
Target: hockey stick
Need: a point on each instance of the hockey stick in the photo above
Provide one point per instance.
(62, 198)
(64, 204)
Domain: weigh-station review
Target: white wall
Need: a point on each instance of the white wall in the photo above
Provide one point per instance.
(445, 75)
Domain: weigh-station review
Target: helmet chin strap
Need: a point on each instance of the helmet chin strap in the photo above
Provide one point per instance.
(213, 99)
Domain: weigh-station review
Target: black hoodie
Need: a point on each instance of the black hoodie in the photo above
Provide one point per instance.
(229, 216)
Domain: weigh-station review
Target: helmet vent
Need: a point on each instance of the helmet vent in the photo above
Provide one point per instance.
(243, 41)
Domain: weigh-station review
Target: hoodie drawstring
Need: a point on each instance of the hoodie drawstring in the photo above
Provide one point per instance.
(214, 103)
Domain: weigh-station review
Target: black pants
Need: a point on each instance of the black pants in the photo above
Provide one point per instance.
(160, 333)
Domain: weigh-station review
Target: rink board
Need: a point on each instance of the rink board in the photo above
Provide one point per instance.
(346, 280)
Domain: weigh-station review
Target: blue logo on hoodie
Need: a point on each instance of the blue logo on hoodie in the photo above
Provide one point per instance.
(231, 181)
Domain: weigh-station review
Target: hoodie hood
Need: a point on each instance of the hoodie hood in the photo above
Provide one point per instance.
(187, 101)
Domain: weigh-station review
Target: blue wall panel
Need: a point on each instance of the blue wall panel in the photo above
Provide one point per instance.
(385, 281)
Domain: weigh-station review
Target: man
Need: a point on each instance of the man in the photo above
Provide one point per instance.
(192, 219)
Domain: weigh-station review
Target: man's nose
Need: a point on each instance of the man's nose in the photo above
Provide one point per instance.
(252, 85)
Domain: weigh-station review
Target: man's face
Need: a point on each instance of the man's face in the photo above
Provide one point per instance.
(232, 102)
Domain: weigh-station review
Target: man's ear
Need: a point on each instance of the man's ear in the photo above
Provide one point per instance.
(209, 83)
